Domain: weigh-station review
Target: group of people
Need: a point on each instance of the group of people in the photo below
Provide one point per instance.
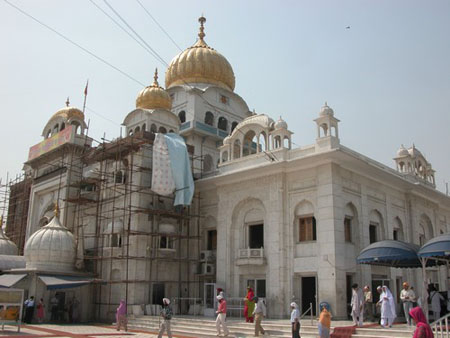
(29, 310)
(57, 311)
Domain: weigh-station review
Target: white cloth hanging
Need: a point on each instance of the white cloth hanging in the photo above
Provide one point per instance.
(162, 179)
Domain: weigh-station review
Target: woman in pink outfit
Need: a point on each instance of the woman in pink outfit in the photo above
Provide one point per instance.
(121, 316)
(41, 311)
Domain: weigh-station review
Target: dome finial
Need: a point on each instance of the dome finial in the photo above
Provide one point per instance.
(67, 102)
(202, 20)
(155, 78)
(56, 209)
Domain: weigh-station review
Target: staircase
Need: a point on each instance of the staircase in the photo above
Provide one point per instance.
(398, 331)
(206, 327)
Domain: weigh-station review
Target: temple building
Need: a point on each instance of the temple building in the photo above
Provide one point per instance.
(287, 221)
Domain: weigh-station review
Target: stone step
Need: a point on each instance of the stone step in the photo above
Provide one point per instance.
(383, 333)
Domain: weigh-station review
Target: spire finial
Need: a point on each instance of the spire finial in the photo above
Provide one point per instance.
(67, 102)
(326, 104)
(56, 209)
(202, 20)
(155, 78)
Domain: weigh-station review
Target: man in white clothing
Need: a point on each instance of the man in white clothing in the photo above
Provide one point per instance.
(436, 298)
(407, 296)
(357, 304)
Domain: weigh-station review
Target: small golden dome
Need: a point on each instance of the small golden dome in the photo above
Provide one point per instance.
(154, 97)
(69, 112)
(200, 64)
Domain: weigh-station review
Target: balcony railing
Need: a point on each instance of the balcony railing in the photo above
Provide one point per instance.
(251, 256)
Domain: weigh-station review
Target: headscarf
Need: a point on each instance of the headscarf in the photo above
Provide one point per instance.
(421, 322)
(122, 309)
(294, 305)
(166, 301)
(388, 294)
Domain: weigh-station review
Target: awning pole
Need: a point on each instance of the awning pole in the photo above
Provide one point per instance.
(425, 287)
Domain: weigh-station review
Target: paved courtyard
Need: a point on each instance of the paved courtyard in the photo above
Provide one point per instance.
(73, 331)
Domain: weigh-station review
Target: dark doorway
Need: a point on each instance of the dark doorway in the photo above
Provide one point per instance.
(309, 293)
(158, 293)
(256, 236)
(376, 283)
(348, 289)
(212, 240)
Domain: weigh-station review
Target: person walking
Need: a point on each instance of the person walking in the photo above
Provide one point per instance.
(221, 316)
(29, 310)
(295, 320)
(387, 303)
(324, 320)
(259, 313)
(54, 308)
(121, 316)
(368, 303)
(357, 304)
(436, 298)
(40, 311)
(249, 305)
(407, 297)
(167, 315)
(423, 329)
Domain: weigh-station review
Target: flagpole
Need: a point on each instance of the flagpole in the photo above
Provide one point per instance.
(85, 95)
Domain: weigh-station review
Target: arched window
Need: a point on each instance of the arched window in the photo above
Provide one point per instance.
(225, 156)
(249, 146)
(207, 163)
(222, 124)
(55, 129)
(351, 228)
(233, 125)
(376, 227)
(153, 128)
(262, 139)
(236, 149)
(120, 177)
(130, 132)
(137, 129)
(397, 233)
(171, 131)
(182, 116)
(162, 130)
(63, 125)
(48, 133)
(306, 222)
(209, 118)
(77, 126)
(144, 127)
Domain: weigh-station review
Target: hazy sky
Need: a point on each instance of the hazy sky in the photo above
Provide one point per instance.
(387, 77)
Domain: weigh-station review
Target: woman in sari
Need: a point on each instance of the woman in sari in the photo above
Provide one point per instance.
(249, 305)
(423, 330)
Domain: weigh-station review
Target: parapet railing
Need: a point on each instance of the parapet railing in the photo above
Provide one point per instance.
(440, 327)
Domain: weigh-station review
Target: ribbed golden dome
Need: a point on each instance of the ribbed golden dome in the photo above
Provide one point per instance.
(200, 64)
(69, 112)
(154, 97)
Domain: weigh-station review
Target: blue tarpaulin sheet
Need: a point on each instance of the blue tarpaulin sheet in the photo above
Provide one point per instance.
(390, 253)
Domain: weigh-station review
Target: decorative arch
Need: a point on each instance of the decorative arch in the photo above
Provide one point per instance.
(144, 127)
(398, 231)
(153, 128)
(248, 222)
(305, 227)
(162, 130)
(137, 129)
(376, 226)
(249, 146)
(351, 224)
(425, 229)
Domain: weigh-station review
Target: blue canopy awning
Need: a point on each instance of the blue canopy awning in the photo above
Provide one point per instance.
(396, 254)
(64, 282)
(438, 247)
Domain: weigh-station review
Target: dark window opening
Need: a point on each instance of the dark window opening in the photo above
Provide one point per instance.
(256, 236)
(162, 130)
(348, 229)
(212, 240)
(395, 235)
(261, 288)
(209, 118)
(372, 233)
(158, 293)
(182, 116)
(307, 229)
(233, 125)
(222, 124)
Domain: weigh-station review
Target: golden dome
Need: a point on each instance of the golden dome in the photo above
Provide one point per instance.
(200, 64)
(69, 112)
(154, 97)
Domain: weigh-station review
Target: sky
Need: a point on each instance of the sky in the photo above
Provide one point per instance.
(387, 77)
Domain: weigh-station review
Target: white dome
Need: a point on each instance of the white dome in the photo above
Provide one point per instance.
(402, 152)
(7, 247)
(51, 248)
(281, 124)
(326, 111)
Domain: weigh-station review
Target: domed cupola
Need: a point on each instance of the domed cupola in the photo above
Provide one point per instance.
(402, 152)
(326, 111)
(200, 64)
(281, 124)
(154, 96)
(7, 247)
(63, 118)
(51, 248)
